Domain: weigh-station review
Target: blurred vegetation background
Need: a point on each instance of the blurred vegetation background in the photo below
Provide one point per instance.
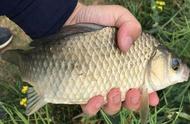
(169, 22)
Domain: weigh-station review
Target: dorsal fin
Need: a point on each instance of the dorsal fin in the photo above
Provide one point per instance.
(67, 31)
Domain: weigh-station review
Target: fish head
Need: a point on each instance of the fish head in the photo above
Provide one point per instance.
(178, 71)
(165, 69)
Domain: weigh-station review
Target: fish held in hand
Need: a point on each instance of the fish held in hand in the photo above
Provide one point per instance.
(83, 60)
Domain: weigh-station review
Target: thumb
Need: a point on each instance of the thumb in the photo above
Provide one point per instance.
(129, 30)
(110, 15)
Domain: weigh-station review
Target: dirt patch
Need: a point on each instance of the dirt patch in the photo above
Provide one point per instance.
(20, 39)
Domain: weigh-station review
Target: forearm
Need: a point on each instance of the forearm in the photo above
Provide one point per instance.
(38, 18)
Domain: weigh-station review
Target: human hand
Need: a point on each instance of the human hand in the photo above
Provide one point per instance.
(129, 30)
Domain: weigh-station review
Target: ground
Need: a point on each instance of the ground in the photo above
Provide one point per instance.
(169, 23)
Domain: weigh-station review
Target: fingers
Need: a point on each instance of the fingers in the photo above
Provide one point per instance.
(93, 105)
(153, 99)
(111, 108)
(132, 99)
(114, 102)
(132, 102)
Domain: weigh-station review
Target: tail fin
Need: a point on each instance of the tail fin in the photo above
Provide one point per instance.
(35, 102)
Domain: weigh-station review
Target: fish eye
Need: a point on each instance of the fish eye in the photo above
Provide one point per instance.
(175, 64)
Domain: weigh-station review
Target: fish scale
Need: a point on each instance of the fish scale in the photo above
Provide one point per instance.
(83, 61)
(92, 77)
(97, 54)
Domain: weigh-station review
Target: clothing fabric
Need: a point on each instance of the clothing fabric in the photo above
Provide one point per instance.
(38, 18)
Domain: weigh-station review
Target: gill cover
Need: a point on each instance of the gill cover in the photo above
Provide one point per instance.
(145, 87)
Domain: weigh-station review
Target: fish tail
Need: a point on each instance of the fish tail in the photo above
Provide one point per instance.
(34, 101)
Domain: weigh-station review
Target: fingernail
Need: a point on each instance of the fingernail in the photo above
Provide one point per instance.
(116, 98)
(98, 105)
(135, 100)
(127, 43)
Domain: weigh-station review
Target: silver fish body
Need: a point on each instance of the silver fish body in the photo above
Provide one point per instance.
(86, 65)
(72, 68)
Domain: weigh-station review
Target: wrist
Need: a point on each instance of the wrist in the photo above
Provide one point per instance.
(72, 19)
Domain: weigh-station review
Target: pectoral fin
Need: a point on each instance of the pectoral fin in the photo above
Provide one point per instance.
(144, 108)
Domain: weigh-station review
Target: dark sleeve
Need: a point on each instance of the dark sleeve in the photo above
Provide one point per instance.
(38, 18)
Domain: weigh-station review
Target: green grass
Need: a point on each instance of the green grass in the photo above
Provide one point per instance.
(171, 26)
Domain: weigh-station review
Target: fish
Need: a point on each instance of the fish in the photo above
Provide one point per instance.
(83, 60)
